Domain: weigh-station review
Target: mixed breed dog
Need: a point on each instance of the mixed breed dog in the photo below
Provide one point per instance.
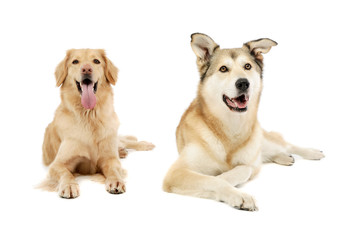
(220, 141)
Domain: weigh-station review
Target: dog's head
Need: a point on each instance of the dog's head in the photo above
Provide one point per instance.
(85, 72)
(230, 78)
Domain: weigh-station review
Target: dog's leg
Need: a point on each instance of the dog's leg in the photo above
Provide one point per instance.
(275, 149)
(238, 175)
(187, 182)
(140, 146)
(306, 153)
(180, 179)
(283, 158)
(129, 137)
(50, 145)
(114, 174)
(110, 166)
(130, 142)
(67, 185)
(61, 169)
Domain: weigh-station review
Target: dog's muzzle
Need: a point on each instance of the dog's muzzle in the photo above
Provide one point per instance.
(239, 103)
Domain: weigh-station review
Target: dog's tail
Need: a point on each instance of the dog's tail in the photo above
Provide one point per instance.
(48, 185)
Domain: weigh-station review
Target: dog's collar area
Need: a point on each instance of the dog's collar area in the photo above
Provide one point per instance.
(238, 104)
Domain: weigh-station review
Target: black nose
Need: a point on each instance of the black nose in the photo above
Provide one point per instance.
(242, 84)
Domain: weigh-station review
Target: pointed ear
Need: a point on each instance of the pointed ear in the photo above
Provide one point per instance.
(110, 70)
(260, 46)
(203, 46)
(61, 70)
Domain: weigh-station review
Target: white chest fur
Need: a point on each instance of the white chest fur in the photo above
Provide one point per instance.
(248, 153)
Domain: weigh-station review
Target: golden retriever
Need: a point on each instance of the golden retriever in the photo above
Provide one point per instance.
(83, 135)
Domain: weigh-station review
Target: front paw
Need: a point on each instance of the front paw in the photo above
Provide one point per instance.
(242, 201)
(248, 204)
(115, 186)
(69, 190)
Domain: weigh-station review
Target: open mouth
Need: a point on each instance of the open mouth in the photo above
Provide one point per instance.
(86, 82)
(87, 89)
(238, 104)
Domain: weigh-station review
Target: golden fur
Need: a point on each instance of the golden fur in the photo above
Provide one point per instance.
(81, 140)
(218, 148)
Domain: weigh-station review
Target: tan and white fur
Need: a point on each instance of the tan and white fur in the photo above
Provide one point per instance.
(82, 138)
(220, 141)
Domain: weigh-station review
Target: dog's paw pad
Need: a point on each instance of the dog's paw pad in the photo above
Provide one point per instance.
(115, 186)
(70, 190)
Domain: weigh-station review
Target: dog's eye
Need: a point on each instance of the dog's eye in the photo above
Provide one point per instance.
(75, 61)
(223, 69)
(247, 66)
(96, 61)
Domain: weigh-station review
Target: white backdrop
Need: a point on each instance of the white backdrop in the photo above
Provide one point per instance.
(311, 87)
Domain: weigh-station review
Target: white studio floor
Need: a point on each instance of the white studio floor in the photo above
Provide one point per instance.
(310, 95)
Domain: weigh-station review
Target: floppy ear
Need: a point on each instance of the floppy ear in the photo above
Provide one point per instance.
(260, 46)
(61, 70)
(203, 46)
(111, 71)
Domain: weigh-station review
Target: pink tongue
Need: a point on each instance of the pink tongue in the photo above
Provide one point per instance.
(230, 103)
(88, 99)
(240, 104)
